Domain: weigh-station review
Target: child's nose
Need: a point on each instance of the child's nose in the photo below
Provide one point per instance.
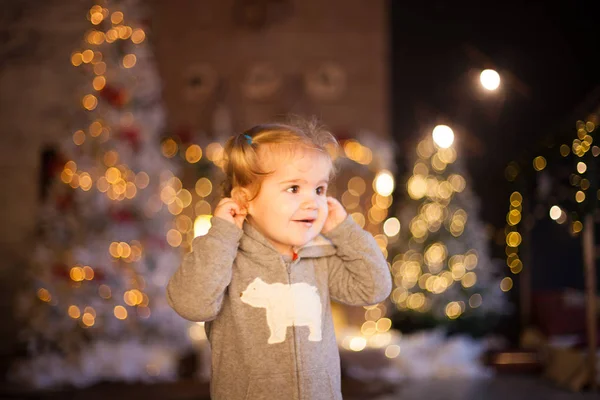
(309, 203)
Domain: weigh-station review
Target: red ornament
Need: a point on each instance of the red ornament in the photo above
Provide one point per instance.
(64, 201)
(122, 215)
(60, 271)
(132, 136)
(115, 97)
(99, 275)
(184, 134)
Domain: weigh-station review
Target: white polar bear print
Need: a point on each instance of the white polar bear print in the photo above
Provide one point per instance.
(297, 304)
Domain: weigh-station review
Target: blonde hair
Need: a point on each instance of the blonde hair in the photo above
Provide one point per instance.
(241, 156)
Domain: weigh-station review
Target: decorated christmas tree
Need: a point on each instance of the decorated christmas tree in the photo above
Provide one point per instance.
(107, 241)
(442, 267)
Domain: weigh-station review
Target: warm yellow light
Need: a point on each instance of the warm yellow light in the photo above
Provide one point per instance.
(458, 182)
(88, 273)
(350, 200)
(169, 148)
(384, 325)
(142, 180)
(99, 82)
(203, 187)
(392, 351)
(96, 18)
(124, 32)
(513, 217)
(193, 154)
(183, 223)
(112, 175)
(104, 291)
(475, 300)
(201, 225)
(85, 181)
(469, 279)
(79, 137)
(357, 186)
(384, 183)
(368, 328)
(88, 319)
(74, 312)
(417, 187)
(415, 301)
(555, 212)
(77, 274)
(100, 68)
(130, 298)
(443, 136)
(373, 313)
(129, 60)
(453, 310)
(87, 56)
(516, 199)
(44, 295)
(506, 284)
(116, 17)
(580, 196)
(138, 36)
(174, 238)
(89, 102)
(539, 163)
(516, 266)
(76, 59)
(581, 167)
(490, 79)
(513, 239)
(391, 227)
(197, 332)
(120, 312)
(358, 343)
(359, 219)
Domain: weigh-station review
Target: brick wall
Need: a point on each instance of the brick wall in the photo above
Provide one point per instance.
(207, 50)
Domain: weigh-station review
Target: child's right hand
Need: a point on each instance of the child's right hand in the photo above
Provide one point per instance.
(231, 211)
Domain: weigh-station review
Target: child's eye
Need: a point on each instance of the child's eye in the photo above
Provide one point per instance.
(293, 189)
(321, 190)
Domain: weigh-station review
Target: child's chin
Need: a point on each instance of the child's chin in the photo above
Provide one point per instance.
(306, 240)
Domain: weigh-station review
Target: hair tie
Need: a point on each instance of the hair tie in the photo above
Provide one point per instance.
(248, 139)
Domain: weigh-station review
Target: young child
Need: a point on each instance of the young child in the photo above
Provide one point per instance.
(278, 250)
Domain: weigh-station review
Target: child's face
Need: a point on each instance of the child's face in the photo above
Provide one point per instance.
(291, 206)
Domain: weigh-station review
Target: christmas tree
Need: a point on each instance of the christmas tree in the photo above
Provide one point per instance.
(442, 268)
(107, 241)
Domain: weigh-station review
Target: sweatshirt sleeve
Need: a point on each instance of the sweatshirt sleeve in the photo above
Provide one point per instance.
(197, 288)
(358, 273)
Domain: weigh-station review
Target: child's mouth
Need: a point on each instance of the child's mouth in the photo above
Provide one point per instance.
(306, 222)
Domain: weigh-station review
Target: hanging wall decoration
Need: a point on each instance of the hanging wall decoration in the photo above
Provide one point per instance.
(261, 82)
(200, 81)
(327, 82)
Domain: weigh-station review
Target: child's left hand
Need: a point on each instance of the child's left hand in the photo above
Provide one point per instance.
(337, 214)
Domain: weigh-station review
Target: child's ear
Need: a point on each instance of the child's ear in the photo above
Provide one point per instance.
(241, 196)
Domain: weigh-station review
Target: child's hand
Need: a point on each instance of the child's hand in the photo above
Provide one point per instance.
(231, 211)
(337, 214)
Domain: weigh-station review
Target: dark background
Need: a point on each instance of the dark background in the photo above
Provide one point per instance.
(548, 56)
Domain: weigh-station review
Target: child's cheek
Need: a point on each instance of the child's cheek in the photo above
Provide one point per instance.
(323, 204)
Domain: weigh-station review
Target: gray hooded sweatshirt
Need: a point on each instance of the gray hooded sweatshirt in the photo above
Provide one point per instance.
(269, 319)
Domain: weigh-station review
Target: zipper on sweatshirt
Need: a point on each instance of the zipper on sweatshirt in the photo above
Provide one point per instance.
(288, 267)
